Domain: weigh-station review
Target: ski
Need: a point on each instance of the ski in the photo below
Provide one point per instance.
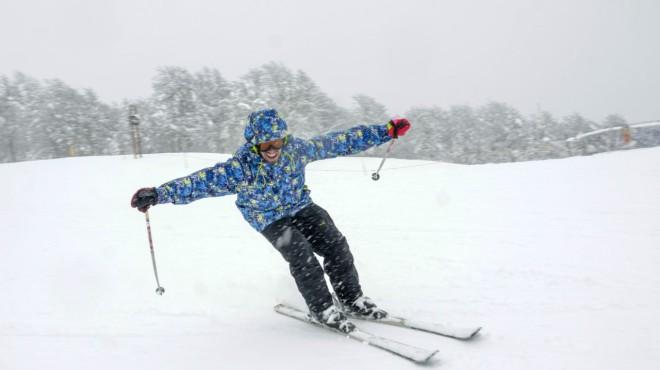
(445, 330)
(412, 353)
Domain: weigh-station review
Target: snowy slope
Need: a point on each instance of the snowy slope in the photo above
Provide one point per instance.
(556, 259)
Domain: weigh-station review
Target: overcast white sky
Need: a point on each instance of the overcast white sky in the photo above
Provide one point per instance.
(587, 56)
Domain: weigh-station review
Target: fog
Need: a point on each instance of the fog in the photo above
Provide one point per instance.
(589, 57)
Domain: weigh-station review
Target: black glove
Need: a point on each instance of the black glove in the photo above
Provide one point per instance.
(144, 198)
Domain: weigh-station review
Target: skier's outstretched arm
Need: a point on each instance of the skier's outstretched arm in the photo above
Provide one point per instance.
(354, 140)
(221, 179)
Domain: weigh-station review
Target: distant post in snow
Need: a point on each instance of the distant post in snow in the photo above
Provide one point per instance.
(134, 123)
(626, 134)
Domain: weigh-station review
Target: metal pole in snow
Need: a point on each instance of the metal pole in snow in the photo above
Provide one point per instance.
(376, 175)
(160, 290)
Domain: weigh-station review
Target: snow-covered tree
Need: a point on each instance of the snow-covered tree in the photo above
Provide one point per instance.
(429, 138)
(614, 120)
(177, 114)
(307, 109)
(202, 111)
(500, 128)
(19, 108)
(367, 110)
(9, 122)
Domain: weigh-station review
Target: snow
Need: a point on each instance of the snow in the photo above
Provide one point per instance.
(596, 132)
(646, 124)
(557, 260)
(616, 128)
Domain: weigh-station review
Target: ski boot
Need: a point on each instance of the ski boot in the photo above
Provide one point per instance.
(364, 307)
(335, 319)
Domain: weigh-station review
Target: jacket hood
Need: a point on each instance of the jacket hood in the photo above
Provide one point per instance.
(264, 125)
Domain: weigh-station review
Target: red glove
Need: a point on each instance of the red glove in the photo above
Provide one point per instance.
(144, 198)
(398, 127)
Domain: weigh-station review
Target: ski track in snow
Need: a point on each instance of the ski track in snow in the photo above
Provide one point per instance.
(557, 260)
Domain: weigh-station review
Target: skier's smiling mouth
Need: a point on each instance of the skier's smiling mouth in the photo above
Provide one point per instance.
(271, 155)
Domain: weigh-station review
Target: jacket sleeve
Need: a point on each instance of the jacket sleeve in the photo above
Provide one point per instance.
(341, 143)
(221, 179)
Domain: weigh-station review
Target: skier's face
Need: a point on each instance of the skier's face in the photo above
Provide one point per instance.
(270, 150)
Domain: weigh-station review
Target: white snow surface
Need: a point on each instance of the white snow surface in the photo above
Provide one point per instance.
(557, 260)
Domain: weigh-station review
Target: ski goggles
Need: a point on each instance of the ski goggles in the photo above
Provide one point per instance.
(274, 144)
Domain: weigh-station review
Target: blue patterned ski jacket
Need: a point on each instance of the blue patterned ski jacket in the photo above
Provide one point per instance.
(267, 192)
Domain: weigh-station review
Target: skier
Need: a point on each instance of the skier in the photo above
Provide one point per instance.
(268, 175)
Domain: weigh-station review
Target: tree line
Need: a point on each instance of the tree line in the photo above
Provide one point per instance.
(201, 111)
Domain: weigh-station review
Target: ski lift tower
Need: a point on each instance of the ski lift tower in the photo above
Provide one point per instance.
(134, 123)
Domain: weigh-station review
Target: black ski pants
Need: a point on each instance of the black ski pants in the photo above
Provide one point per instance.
(298, 238)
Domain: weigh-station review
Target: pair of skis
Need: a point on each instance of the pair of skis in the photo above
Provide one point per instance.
(412, 353)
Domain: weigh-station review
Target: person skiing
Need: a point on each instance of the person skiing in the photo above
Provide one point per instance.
(268, 175)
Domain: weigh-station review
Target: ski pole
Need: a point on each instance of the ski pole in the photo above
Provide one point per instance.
(160, 290)
(376, 176)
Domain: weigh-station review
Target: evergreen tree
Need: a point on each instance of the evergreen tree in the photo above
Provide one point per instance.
(9, 123)
(61, 130)
(614, 120)
(314, 110)
(307, 109)
(20, 105)
(547, 141)
(430, 137)
(463, 141)
(574, 125)
(368, 111)
(177, 113)
(500, 129)
(202, 111)
(215, 107)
